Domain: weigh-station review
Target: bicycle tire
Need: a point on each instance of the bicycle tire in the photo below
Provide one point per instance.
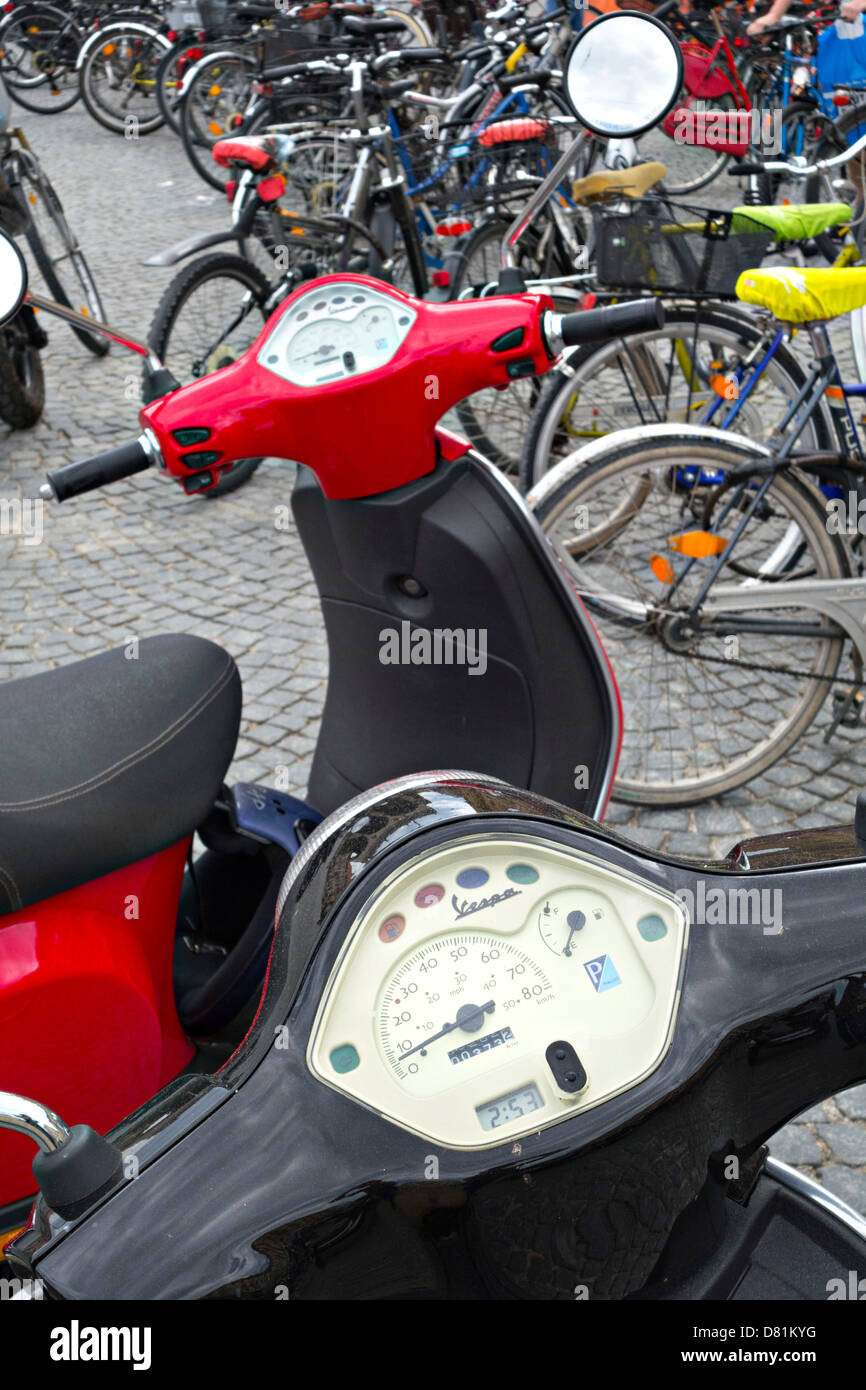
(819, 187)
(21, 87)
(50, 200)
(22, 381)
(119, 124)
(177, 295)
(545, 432)
(197, 145)
(653, 692)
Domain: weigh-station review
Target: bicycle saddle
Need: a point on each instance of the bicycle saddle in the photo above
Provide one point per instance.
(629, 183)
(793, 221)
(794, 295)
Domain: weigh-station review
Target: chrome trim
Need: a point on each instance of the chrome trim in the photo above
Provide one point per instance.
(28, 1117)
(336, 821)
(812, 1191)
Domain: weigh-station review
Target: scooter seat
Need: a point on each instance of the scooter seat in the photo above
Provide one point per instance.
(109, 760)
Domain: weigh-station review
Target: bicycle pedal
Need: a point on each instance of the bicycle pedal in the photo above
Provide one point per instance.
(848, 708)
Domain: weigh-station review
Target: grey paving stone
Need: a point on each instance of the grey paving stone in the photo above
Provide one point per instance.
(846, 1140)
(847, 1183)
(794, 1144)
(853, 1103)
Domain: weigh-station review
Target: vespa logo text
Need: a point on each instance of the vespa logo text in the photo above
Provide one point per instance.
(466, 907)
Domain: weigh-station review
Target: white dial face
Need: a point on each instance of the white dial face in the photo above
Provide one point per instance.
(463, 994)
(497, 985)
(335, 333)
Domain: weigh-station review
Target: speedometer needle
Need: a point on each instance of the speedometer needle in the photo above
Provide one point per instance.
(469, 1018)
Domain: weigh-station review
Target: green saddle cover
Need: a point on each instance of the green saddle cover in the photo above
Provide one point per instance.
(793, 221)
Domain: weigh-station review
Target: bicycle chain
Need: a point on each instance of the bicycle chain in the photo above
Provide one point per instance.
(766, 670)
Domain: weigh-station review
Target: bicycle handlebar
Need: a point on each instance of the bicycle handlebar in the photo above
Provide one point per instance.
(611, 321)
(803, 171)
(75, 478)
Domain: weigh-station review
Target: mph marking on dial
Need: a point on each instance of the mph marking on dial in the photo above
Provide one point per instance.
(492, 976)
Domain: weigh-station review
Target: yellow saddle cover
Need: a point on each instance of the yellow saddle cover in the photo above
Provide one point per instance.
(628, 183)
(795, 295)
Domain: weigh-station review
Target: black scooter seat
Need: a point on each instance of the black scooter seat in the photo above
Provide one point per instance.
(108, 760)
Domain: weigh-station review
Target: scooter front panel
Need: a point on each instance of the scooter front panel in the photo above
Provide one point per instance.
(339, 331)
(497, 986)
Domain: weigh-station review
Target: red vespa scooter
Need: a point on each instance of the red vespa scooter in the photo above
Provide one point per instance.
(455, 639)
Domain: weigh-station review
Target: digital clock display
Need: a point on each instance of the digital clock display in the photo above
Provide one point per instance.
(479, 1045)
(512, 1106)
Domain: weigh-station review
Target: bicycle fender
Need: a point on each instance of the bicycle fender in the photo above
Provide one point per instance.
(592, 452)
(101, 34)
(181, 249)
(194, 68)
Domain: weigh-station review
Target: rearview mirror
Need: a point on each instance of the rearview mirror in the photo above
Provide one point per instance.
(623, 74)
(13, 279)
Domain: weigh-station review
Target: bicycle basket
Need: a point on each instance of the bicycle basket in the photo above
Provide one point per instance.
(214, 15)
(659, 245)
(293, 41)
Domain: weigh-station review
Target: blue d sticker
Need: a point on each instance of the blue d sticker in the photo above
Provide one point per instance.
(602, 972)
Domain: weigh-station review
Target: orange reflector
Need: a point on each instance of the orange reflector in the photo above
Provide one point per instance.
(662, 569)
(215, 128)
(214, 91)
(84, 310)
(724, 386)
(109, 49)
(10, 1235)
(33, 198)
(697, 544)
(835, 392)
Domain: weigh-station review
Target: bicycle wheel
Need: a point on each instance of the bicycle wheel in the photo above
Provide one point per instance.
(496, 421)
(56, 250)
(702, 713)
(215, 100)
(665, 375)
(209, 315)
(118, 79)
(22, 384)
(823, 188)
(689, 166)
(169, 75)
(40, 45)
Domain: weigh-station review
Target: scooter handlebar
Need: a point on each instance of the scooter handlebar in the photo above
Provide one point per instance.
(75, 478)
(611, 321)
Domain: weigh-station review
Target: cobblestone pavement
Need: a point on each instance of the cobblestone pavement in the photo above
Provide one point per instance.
(141, 558)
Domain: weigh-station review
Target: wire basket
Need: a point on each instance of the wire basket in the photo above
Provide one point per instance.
(215, 15)
(659, 245)
(287, 40)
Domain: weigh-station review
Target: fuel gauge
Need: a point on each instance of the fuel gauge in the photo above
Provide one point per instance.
(560, 925)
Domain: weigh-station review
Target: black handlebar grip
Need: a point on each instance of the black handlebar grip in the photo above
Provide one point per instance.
(74, 478)
(612, 321)
(746, 167)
